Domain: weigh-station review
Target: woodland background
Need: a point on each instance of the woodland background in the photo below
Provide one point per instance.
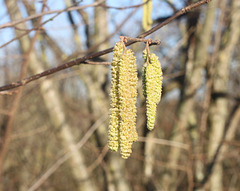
(53, 131)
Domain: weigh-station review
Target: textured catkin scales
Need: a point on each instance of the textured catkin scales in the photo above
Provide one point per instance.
(113, 132)
(127, 102)
(144, 73)
(152, 86)
(122, 125)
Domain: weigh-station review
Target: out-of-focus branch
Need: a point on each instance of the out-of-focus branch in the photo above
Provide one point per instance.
(7, 135)
(100, 53)
(66, 156)
(50, 19)
(75, 8)
(231, 127)
(121, 8)
(164, 142)
(11, 24)
(179, 13)
(150, 41)
(171, 5)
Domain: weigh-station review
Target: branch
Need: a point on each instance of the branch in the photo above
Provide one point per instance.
(121, 8)
(100, 53)
(150, 41)
(98, 3)
(179, 13)
(68, 155)
(11, 24)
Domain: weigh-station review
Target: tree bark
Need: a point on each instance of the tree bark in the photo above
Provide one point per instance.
(197, 54)
(219, 107)
(55, 109)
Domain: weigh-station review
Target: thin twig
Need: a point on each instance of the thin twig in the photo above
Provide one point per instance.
(127, 7)
(30, 133)
(149, 41)
(68, 155)
(98, 160)
(50, 19)
(75, 8)
(162, 164)
(179, 13)
(100, 53)
(11, 24)
(96, 63)
(164, 142)
(9, 125)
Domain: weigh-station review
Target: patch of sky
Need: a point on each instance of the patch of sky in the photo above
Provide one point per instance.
(162, 9)
(59, 27)
(6, 34)
(174, 94)
(116, 17)
(3, 13)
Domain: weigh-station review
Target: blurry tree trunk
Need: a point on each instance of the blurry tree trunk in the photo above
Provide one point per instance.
(197, 54)
(53, 103)
(95, 79)
(85, 19)
(219, 106)
(230, 132)
(149, 162)
(77, 39)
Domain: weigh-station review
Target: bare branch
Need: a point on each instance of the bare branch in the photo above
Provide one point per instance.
(121, 8)
(68, 155)
(150, 41)
(179, 13)
(40, 25)
(164, 142)
(100, 53)
(11, 24)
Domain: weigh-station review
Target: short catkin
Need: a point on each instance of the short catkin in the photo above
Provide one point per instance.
(113, 132)
(152, 86)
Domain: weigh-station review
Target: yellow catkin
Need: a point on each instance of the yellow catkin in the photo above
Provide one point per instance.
(113, 132)
(147, 18)
(144, 73)
(152, 86)
(127, 102)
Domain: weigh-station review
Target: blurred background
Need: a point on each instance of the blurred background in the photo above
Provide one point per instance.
(53, 131)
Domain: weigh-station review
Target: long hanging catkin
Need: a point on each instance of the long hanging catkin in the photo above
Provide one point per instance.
(113, 132)
(127, 102)
(122, 126)
(152, 86)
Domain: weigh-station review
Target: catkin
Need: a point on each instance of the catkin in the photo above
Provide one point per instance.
(122, 125)
(127, 102)
(147, 18)
(152, 86)
(113, 132)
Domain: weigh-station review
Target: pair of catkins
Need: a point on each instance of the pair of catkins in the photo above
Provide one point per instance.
(122, 126)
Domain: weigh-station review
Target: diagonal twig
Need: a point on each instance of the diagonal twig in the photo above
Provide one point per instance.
(100, 53)
(68, 155)
(11, 24)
